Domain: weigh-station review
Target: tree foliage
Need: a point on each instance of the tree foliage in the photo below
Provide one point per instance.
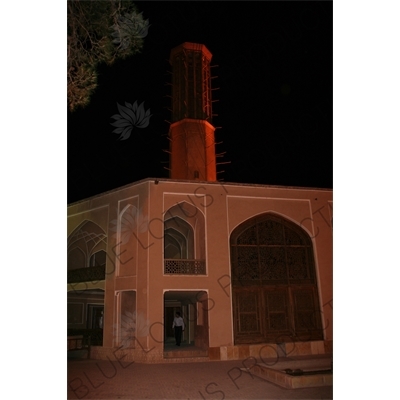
(99, 32)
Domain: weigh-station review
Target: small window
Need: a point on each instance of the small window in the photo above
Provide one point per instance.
(196, 174)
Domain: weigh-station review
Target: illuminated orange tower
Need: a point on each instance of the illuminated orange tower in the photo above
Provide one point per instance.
(191, 134)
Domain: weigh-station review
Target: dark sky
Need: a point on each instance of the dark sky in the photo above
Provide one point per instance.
(273, 63)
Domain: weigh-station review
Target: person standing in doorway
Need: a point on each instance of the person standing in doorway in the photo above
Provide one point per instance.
(179, 327)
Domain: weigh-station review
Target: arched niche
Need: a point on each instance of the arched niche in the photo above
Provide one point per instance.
(184, 239)
(275, 292)
(87, 239)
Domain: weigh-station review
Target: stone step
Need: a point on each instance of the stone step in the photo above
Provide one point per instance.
(185, 359)
(185, 353)
(296, 373)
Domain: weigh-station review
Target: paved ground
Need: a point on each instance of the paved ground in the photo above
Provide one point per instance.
(95, 379)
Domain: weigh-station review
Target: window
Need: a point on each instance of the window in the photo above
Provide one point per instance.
(275, 294)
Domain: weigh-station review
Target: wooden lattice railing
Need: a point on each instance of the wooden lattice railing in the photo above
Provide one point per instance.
(184, 267)
(90, 274)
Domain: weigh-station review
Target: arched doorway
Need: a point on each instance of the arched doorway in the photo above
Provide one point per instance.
(275, 293)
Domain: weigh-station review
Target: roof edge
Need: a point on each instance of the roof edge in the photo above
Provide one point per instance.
(157, 180)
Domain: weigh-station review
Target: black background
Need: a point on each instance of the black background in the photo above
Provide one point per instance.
(273, 68)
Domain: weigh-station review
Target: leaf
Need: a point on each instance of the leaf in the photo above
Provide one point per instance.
(121, 123)
(145, 122)
(126, 133)
(118, 130)
(126, 320)
(128, 222)
(116, 116)
(143, 224)
(130, 314)
(126, 113)
(140, 113)
(125, 237)
(143, 32)
(127, 218)
(114, 224)
(97, 35)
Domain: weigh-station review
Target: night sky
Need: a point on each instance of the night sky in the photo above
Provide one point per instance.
(273, 68)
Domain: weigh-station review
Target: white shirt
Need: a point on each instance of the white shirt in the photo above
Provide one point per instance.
(178, 321)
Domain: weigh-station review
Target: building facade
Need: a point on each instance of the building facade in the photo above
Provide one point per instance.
(249, 266)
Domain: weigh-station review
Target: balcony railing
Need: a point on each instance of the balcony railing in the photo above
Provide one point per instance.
(184, 267)
(90, 274)
(95, 335)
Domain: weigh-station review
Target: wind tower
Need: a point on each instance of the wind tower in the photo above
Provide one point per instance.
(191, 134)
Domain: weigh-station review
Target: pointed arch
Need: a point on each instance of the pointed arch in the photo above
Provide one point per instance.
(178, 235)
(89, 238)
(87, 245)
(76, 258)
(274, 281)
(184, 239)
